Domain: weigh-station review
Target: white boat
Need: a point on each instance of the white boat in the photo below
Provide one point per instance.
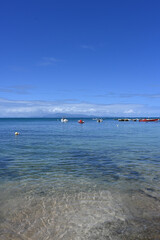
(99, 120)
(64, 120)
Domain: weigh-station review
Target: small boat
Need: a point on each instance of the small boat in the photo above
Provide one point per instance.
(80, 121)
(124, 119)
(149, 120)
(64, 120)
(99, 120)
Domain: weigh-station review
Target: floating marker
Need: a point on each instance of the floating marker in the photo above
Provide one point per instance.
(16, 133)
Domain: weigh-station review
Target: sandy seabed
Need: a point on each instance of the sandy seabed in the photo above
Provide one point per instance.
(80, 215)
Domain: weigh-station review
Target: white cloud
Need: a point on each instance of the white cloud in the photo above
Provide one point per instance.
(129, 111)
(12, 108)
(46, 61)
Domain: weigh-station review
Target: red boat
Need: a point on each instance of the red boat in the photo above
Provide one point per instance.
(81, 121)
(149, 120)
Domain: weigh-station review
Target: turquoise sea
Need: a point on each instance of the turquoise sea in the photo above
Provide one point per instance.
(76, 181)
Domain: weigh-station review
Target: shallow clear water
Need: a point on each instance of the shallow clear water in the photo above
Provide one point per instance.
(72, 181)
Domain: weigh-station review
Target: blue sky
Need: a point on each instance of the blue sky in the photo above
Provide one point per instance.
(79, 57)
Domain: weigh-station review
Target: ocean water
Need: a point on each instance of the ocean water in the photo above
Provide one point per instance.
(76, 181)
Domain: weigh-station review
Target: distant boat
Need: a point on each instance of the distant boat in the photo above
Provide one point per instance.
(149, 120)
(64, 120)
(99, 120)
(80, 121)
(124, 119)
(134, 119)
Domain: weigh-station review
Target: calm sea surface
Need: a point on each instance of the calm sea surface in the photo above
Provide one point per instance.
(76, 181)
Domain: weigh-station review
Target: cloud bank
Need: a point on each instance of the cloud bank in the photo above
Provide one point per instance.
(12, 108)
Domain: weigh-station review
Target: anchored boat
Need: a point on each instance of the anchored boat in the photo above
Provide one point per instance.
(99, 120)
(64, 120)
(80, 121)
(149, 120)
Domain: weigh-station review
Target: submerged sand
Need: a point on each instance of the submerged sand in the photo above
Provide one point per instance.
(78, 215)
